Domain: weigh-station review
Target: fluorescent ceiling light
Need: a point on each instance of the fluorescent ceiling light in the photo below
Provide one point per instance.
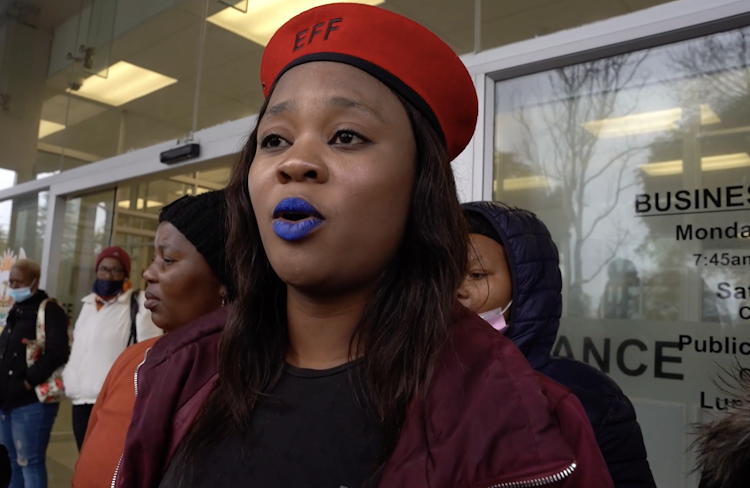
(663, 169)
(124, 83)
(264, 17)
(525, 183)
(125, 204)
(725, 161)
(708, 116)
(660, 120)
(709, 163)
(46, 128)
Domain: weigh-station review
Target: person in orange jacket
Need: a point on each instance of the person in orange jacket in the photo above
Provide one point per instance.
(187, 279)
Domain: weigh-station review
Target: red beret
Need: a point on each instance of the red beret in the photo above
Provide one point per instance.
(405, 56)
(117, 253)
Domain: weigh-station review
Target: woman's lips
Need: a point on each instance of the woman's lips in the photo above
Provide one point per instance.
(151, 301)
(294, 218)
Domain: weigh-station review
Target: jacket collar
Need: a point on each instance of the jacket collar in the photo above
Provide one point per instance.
(32, 302)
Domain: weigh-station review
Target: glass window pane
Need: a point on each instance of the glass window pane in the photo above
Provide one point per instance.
(639, 166)
(23, 222)
(87, 231)
(136, 91)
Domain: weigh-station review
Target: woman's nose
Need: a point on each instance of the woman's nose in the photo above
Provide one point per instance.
(304, 163)
(464, 294)
(149, 274)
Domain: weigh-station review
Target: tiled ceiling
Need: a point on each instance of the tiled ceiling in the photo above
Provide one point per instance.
(168, 44)
(52, 12)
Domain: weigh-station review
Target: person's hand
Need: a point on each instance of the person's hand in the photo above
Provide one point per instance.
(27, 385)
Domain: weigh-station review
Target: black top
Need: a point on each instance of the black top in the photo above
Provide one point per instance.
(20, 325)
(314, 434)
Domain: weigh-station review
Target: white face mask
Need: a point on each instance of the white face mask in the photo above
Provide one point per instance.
(496, 318)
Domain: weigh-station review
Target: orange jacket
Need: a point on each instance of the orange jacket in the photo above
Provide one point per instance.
(109, 422)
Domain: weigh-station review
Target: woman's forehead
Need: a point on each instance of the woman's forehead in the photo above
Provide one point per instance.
(332, 84)
(486, 250)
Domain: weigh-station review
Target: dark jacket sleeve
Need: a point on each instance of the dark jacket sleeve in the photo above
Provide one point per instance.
(57, 348)
(621, 441)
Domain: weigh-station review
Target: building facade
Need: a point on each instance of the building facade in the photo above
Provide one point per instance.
(624, 124)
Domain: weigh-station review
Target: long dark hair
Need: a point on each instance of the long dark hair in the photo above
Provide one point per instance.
(402, 330)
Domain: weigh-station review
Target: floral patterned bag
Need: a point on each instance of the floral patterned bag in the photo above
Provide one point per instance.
(52, 390)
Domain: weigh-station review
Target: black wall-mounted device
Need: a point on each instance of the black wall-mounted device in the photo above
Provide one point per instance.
(180, 154)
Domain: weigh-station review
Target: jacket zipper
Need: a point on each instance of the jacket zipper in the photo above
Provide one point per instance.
(538, 481)
(135, 386)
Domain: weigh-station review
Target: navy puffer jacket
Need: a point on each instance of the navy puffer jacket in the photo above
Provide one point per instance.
(535, 314)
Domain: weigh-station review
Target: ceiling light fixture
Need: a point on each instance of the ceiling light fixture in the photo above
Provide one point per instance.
(125, 204)
(526, 183)
(47, 128)
(708, 163)
(657, 121)
(264, 17)
(124, 83)
(663, 169)
(725, 161)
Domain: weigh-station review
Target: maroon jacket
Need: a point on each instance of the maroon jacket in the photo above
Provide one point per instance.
(489, 420)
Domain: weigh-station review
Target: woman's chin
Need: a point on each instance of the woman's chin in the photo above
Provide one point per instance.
(159, 321)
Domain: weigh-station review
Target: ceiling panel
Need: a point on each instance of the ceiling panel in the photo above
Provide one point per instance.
(55, 12)
(166, 104)
(447, 16)
(152, 32)
(175, 56)
(61, 110)
(545, 19)
(234, 79)
(223, 47)
(230, 88)
(441, 16)
(497, 9)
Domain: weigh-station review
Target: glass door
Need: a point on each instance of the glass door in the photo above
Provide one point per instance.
(136, 214)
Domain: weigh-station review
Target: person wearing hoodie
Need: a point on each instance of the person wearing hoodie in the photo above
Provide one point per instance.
(187, 280)
(514, 283)
(723, 445)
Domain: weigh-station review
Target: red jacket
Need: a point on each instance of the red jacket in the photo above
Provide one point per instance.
(489, 420)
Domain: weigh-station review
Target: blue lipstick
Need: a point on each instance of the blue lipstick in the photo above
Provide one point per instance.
(294, 218)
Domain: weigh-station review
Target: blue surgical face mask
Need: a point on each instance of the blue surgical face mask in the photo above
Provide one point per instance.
(107, 288)
(21, 294)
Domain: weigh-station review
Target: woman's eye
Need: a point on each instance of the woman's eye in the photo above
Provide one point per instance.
(273, 141)
(476, 275)
(347, 137)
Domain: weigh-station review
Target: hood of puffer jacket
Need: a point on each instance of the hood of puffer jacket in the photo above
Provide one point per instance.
(534, 265)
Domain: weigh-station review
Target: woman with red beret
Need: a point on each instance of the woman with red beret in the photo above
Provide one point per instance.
(346, 360)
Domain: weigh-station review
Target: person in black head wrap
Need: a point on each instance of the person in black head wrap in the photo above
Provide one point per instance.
(188, 286)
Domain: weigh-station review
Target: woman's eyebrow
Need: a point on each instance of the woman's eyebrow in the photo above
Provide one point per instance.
(348, 103)
(287, 105)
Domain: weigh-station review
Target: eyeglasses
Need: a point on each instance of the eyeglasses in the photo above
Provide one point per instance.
(113, 272)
